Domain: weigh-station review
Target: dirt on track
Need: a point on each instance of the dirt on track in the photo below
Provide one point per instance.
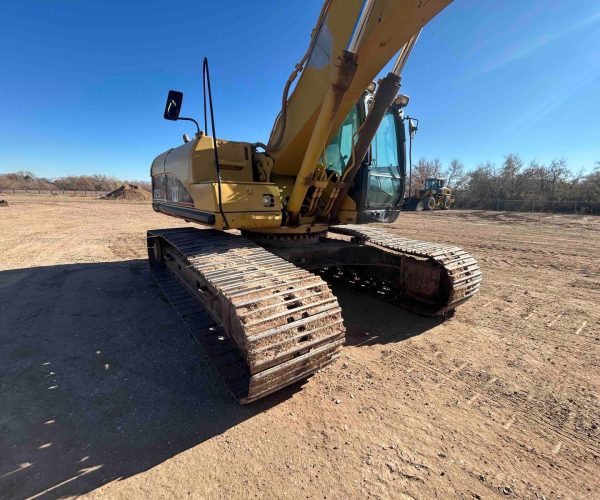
(103, 393)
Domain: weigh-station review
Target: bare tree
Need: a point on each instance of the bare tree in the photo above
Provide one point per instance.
(96, 182)
(425, 169)
(23, 180)
(482, 183)
(557, 175)
(514, 181)
(512, 176)
(455, 175)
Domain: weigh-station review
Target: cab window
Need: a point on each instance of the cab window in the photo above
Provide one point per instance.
(430, 184)
(385, 182)
(339, 150)
(385, 144)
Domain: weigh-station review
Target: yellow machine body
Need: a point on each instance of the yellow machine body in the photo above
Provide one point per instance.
(185, 185)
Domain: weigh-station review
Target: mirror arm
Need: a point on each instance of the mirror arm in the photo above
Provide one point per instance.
(412, 129)
(191, 120)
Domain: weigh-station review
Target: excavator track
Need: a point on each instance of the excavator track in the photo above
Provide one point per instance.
(263, 322)
(434, 278)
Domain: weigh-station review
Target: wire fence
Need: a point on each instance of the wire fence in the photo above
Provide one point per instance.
(62, 192)
(563, 206)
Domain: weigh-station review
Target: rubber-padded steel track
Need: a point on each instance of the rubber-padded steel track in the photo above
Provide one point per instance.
(281, 321)
(460, 276)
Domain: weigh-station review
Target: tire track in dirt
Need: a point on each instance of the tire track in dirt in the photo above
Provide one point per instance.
(567, 325)
(527, 407)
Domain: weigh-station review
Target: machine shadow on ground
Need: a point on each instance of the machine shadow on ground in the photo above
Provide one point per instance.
(371, 321)
(100, 381)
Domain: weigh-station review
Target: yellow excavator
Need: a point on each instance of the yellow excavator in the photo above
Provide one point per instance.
(282, 217)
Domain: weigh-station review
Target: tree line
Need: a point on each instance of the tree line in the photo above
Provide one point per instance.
(513, 180)
(96, 182)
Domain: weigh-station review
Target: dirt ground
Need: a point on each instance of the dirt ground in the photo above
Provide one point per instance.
(103, 393)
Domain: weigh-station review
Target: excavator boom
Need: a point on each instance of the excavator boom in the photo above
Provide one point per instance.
(390, 25)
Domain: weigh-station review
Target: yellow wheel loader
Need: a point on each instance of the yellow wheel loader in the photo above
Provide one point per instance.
(433, 195)
(282, 218)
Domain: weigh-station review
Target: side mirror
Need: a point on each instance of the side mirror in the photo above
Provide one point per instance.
(413, 126)
(173, 105)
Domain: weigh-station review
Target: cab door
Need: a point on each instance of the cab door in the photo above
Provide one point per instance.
(380, 190)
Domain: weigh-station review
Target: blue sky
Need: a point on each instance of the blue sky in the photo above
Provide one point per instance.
(84, 83)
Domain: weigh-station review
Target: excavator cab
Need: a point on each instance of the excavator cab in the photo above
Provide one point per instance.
(379, 187)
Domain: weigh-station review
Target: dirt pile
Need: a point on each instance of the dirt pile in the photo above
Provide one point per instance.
(127, 192)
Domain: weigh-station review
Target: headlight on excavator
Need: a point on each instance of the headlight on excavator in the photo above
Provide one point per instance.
(268, 200)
